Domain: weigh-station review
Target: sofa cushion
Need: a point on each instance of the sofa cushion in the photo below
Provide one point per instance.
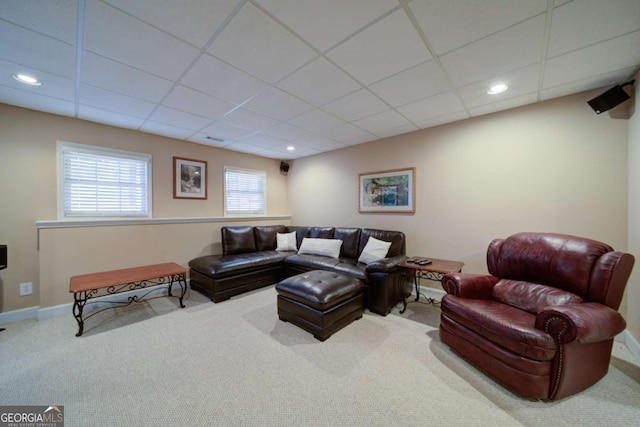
(321, 232)
(506, 326)
(374, 250)
(238, 240)
(558, 260)
(312, 262)
(350, 240)
(265, 236)
(286, 241)
(219, 266)
(531, 297)
(395, 237)
(351, 267)
(324, 247)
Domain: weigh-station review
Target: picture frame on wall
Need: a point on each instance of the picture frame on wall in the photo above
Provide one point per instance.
(189, 179)
(388, 191)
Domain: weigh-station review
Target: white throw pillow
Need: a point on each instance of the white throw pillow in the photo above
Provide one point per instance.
(287, 241)
(374, 250)
(325, 247)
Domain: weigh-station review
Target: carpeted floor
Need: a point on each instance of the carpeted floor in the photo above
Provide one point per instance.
(235, 363)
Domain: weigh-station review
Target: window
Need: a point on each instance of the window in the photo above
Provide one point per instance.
(102, 182)
(244, 192)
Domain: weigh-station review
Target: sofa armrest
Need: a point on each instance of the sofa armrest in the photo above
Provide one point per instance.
(581, 323)
(467, 285)
(385, 265)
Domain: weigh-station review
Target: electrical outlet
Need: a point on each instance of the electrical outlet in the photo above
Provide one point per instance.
(26, 289)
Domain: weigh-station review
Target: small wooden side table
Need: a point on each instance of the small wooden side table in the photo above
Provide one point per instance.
(434, 271)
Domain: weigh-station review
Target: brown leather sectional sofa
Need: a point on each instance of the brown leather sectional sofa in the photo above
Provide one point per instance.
(250, 261)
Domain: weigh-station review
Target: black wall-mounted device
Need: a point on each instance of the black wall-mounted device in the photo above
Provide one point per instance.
(611, 98)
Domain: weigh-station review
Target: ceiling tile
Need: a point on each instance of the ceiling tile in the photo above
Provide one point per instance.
(34, 101)
(278, 104)
(212, 76)
(247, 119)
(319, 82)
(520, 82)
(105, 73)
(262, 141)
(110, 118)
(282, 151)
(602, 80)
(386, 133)
(372, 54)
(287, 132)
(389, 119)
(166, 130)
(115, 102)
(256, 44)
(413, 84)
(620, 53)
(194, 21)
(316, 121)
(356, 106)
(194, 102)
(123, 38)
(582, 23)
(434, 106)
(225, 131)
(201, 138)
(347, 132)
(325, 23)
(173, 117)
(320, 143)
(34, 50)
(449, 24)
(57, 19)
(440, 120)
(504, 104)
(52, 85)
(507, 50)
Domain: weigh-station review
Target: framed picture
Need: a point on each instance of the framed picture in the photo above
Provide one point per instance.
(390, 191)
(189, 179)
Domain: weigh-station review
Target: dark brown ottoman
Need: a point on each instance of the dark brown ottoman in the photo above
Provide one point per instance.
(320, 302)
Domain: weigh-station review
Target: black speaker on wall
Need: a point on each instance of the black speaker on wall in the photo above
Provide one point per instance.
(611, 98)
(3, 256)
(284, 167)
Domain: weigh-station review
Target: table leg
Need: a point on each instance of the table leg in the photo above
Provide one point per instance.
(80, 299)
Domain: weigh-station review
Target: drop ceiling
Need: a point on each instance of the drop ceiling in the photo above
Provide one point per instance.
(259, 76)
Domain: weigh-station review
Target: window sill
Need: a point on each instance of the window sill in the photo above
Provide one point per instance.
(66, 223)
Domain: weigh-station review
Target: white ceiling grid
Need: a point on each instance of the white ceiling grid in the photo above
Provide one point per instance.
(259, 76)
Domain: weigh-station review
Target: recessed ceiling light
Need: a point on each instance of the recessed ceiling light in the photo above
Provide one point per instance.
(291, 148)
(496, 89)
(27, 79)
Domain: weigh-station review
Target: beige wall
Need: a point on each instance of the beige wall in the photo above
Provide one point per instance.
(633, 289)
(28, 189)
(553, 166)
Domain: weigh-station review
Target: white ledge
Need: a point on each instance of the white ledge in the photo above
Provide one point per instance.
(42, 224)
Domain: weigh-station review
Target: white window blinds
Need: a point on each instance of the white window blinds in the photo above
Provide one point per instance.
(100, 182)
(244, 191)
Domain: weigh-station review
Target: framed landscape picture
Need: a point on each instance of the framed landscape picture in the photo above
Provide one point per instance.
(390, 191)
(189, 179)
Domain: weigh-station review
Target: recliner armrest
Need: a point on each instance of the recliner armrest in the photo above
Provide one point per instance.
(581, 323)
(468, 285)
(385, 265)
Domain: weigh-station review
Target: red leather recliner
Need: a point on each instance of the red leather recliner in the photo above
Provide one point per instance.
(542, 323)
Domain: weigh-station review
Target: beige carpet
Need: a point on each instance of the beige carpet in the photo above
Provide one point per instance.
(235, 363)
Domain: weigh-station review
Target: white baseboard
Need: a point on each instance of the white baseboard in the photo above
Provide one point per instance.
(67, 309)
(631, 343)
(19, 315)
